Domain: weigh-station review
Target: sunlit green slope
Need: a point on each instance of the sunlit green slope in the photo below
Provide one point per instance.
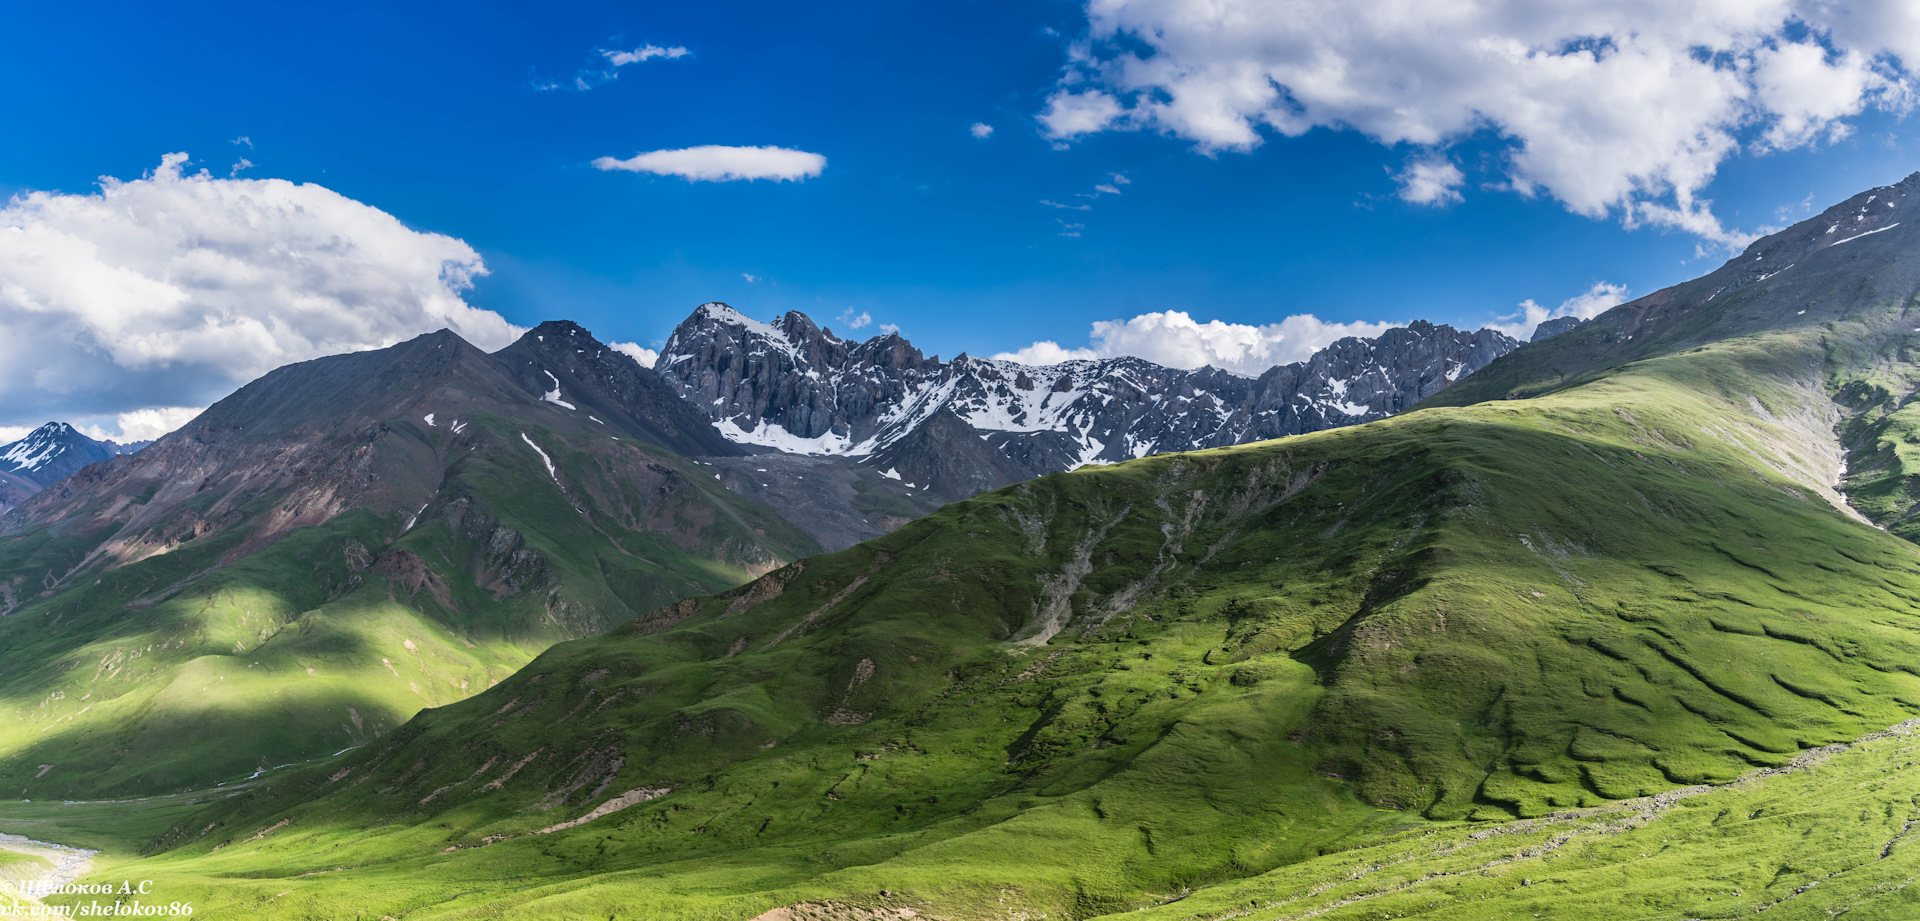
(330, 550)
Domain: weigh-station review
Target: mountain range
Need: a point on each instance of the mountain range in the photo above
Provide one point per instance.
(461, 511)
(47, 455)
(958, 428)
(1622, 624)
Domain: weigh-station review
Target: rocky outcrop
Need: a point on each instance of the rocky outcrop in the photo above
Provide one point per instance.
(1555, 327)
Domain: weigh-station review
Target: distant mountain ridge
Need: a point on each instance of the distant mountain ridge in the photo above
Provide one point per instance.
(53, 451)
(48, 455)
(960, 427)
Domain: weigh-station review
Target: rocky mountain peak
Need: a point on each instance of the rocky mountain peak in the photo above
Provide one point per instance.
(791, 386)
(56, 450)
(564, 365)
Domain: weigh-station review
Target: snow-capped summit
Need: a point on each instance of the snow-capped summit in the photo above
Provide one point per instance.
(962, 426)
(55, 450)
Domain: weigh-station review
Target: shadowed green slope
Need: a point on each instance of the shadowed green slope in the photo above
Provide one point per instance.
(1099, 690)
(275, 584)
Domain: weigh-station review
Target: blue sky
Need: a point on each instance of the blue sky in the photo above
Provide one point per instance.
(436, 115)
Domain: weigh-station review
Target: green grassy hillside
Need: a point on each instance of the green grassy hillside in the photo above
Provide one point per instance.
(322, 585)
(1106, 690)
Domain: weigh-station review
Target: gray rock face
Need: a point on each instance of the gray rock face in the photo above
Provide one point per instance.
(562, 363)
(14, 490)
(1555, 327)
(959, 427)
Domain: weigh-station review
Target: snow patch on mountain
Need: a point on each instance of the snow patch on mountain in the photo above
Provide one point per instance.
(543, 457)
(553, 396)
(55, 450)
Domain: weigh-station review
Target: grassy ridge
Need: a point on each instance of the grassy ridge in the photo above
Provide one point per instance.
(1098, 691)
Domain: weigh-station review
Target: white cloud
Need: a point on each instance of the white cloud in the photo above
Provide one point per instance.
(243, 139)
(646, 357)
(712, 163)
(643, 53)
(855, 322)
(1070, 115)
(1621, 107)
(242, 164)
(981, 130)
(172, 289)
(891, 329)
(12, 433)
(1433, 181)
(1594, 301)
(587, 78)
(1176, 340)
(1070, 230)
(142, 424)
(750, 277)
(1054, 204)
(1046, 352)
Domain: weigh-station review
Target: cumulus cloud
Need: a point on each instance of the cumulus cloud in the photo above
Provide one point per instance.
(1175, 339)
(1613, 107)
(981, 130)
(1433, 181)
(1047, 352)
(645, 356)
(142, 424)
(713, 163)
(171, 290)
(891, 329)
(855, 322)
(1594, 301)
(1070, 115)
